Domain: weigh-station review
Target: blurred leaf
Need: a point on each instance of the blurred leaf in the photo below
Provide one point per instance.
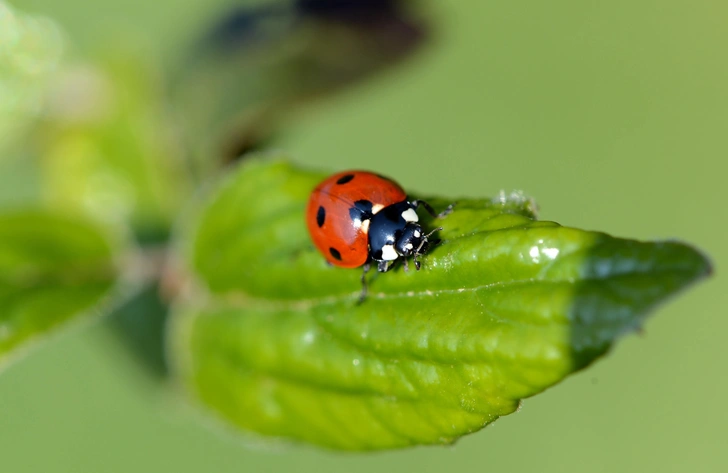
(271, 339)
(258, 64)
(108, 149)
(138, 325)
(19, 182)
(30, 48)
(53, 270)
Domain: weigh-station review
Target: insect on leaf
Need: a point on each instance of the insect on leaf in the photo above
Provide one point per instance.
(271, 338)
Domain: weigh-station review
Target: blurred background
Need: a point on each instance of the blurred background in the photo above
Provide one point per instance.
(613, 115)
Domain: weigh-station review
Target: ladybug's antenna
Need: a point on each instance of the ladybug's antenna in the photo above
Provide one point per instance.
(424, 242)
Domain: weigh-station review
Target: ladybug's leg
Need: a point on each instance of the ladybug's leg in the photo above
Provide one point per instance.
(364, 287)
(430, 210)
(383, 266)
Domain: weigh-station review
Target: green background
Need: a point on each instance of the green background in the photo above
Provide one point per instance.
(613, 115)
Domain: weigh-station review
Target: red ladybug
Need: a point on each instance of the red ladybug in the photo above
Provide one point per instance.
(358, 217)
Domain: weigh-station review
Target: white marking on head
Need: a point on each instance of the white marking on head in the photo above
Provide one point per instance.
(376, 208)
(410, 215)
(417, 233)
(365, 226)
(388, 253)
(408, 246)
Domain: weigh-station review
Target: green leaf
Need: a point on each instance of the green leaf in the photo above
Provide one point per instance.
(139, 326)
(272, 340)
(262, 62)
(30, 48)
(53, 270)
(112, 155)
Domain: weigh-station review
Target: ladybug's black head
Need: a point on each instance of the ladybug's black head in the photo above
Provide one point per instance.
(412, 241)
(394, 233)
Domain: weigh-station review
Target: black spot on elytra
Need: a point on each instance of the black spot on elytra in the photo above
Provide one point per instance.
(362, 210)
(345, 179)
(335, 253)
(321, 216)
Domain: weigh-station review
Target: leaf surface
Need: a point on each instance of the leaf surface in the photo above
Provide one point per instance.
(53, 270)
(272, 340)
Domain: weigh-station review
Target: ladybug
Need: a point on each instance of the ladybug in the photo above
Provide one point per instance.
(356, 218)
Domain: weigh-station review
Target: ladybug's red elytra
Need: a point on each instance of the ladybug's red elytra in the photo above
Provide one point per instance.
(356, 218)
